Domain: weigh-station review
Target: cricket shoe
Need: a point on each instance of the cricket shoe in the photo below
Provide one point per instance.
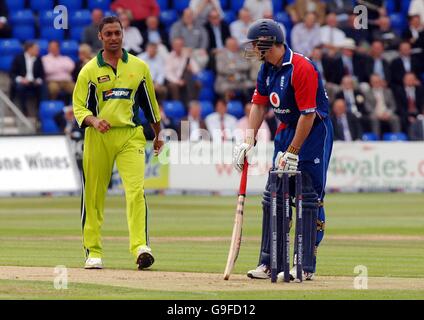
(145, 258)
(306, 276)
(261, 272)
(93, 263)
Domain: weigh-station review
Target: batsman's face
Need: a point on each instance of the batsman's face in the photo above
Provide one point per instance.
(111, 36)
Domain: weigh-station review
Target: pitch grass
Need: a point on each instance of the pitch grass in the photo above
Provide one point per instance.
(31, 231)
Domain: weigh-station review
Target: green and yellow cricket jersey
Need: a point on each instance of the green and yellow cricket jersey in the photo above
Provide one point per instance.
(115, 98)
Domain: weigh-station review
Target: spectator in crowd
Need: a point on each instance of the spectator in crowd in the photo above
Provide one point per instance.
(155, 62)
(239, 27)
(375, 10)
(410, 100)
(5, 30)
(361, 36)
(85, 54)
(27, 78)
(220, 124)
(264, 134)
(386, 34)
(132, 40)
(306, 35)
(90, 34)
(415, 32)
(166, 122)
(355, 101)
(179, 70)
(58, 69)
(342, 9)
(195, 36)
(417, 8)
(218, 31)
(268, 14)
(300, 8)
(381, 103)
(202, 8)
(140, 10)
(377, 64)
(416, 131)
(346, 125)
(330, 66)
(406, 62)
(257, 8)
(65, 120)
(233, 73)
(331, 35)
(193, 127)
(353, 62)
(154, 32)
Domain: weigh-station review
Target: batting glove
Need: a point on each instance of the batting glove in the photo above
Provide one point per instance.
(287, 161)
(240, 152)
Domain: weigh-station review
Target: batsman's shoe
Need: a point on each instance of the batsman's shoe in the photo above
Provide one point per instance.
(306, 276)
(145, 258)
(93, 263)
(261, 272)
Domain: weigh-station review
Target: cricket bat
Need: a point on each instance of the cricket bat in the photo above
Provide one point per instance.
(238, 224)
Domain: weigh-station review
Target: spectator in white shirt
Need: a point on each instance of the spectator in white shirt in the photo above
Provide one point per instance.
(331, 35)
(220, 124)
(132, 40)
(239, 27)
(155, 62)
(257, 8)
(306, 35)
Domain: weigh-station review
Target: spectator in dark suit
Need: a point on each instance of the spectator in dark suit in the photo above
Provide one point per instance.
(342, 8)
(27, 77)
(410, 100)
(405, 63)
(90, 33)
(330, 66)
(386, 34)
(359, 35)
(355, 101)
(377, 64)
(193, 127)
(154, 32)
(345, 125)
(218, 30)
(353, 62)
(414, 32)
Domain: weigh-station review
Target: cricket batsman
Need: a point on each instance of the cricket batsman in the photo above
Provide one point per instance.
(293, 86)
(109, 91)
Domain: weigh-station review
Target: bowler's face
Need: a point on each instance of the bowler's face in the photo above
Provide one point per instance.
(111, 36)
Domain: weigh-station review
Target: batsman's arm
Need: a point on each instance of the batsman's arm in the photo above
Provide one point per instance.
(256, 117)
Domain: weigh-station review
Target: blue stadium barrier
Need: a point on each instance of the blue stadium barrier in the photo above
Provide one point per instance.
(23, 33)
(174, 109)
(76, 33)
(235, 108)
(21, 17)
(10, 47)
(398, 136)
(180, 5)
(168, 17)
(14, 5)
(51, 33)
(42, 5)
(369, 136)
(99, 4)
(71, 5)
(6, 62)
(206, 107)
(80, 18)
(236, 5)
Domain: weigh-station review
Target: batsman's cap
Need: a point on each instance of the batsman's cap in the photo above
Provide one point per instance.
(265, 28)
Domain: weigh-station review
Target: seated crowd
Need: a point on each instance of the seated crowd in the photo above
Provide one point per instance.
(373, 76)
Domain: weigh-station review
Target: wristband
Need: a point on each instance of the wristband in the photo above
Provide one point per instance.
(293, 150)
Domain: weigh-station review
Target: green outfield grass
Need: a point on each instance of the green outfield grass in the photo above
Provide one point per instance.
(384, 232)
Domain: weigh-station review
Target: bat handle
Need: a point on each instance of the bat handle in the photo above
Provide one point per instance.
(243, 181)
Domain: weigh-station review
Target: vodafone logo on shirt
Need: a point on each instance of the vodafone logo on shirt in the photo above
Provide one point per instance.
(274, 99)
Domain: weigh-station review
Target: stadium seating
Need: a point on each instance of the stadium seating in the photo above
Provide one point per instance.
(390, 6)
(42, 5)
(398, 21)
(405, 7)
(51, 33)
(71, 5)
(206, 107)
(180, 5)
(22, 17)
(229, 16)
(99, 4)
(236, 5)
(207, 94)
(174, 109)
(6, 62)
(10, 47)
(76, 33)
(168, 17)
(70, 48)
(235, 108)
(48, 109)
(14, 5)
(207, 77)
(163, 4)
(224, 4)
(43, 44)
(80, 18)
(49, 126)
(398, 136)
(46, 18)
(277, 5)
(24, 32)
(369, 136)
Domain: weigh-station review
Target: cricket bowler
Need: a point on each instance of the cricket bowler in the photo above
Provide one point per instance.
(293, 86)
(109, 91)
